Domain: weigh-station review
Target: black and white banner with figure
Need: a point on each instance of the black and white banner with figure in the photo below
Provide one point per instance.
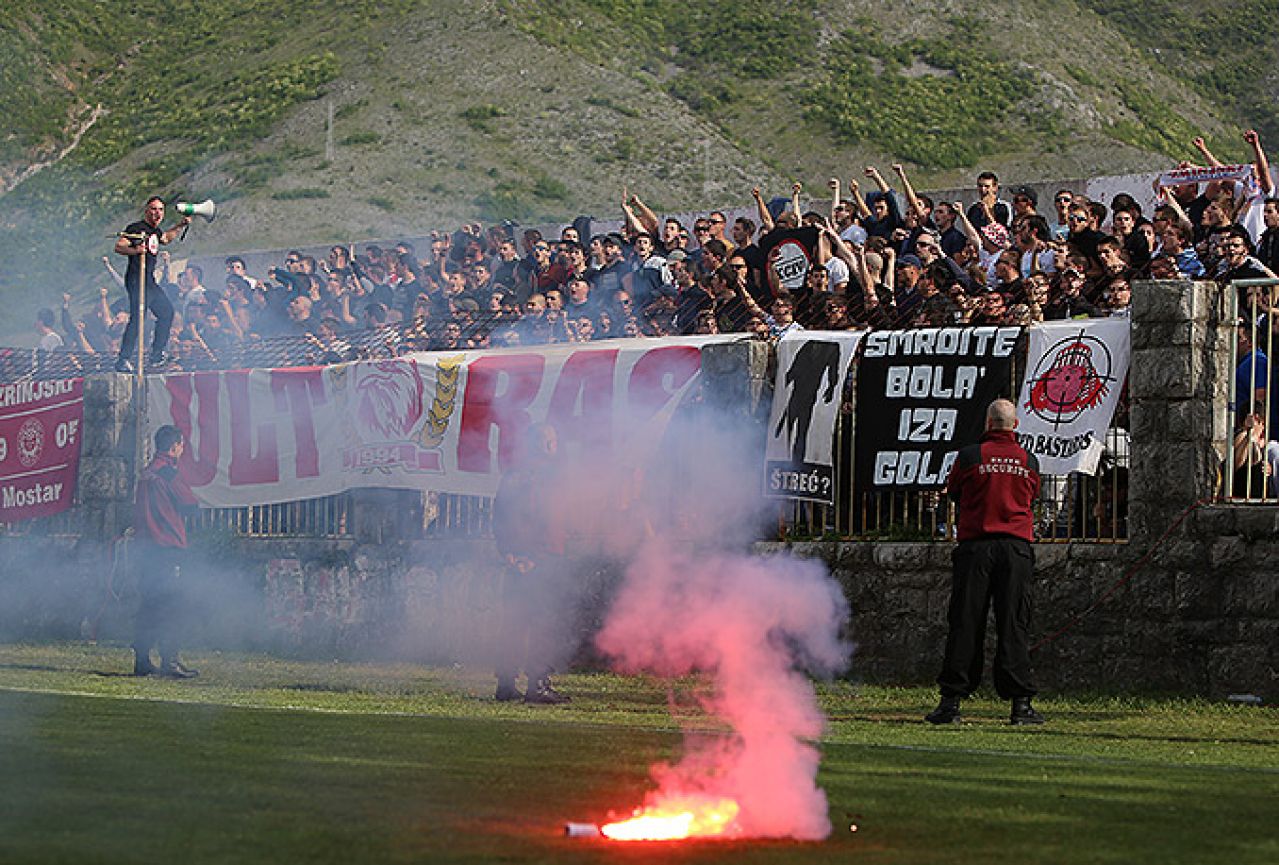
(921, 396)
(1075, 372)
(812, 367)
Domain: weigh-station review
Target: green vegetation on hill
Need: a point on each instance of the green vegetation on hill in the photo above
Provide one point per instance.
(180, 85)
(1228, 50)
(940, 116)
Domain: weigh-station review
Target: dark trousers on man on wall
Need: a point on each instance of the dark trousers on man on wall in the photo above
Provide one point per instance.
(990, 571)
(160, 306)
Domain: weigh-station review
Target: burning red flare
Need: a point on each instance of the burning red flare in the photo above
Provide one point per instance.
(677, 818)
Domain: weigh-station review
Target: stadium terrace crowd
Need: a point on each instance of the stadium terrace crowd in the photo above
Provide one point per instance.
(876, 254)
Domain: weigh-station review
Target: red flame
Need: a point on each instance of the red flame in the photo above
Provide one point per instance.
(675, 818)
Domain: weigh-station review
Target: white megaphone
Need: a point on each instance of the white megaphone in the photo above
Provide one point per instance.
(205, 209)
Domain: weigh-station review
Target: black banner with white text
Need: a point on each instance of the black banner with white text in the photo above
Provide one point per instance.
(921, 396)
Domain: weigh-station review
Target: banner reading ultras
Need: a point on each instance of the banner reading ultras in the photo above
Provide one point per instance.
(40, 426)
(921, 396)
(812, 366)
(428, 421)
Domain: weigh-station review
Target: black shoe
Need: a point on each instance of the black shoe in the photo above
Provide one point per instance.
(1023, 713)
(175, 670)
(507, 692)
(123, 365)
(543, 694)
(947, 712)
(143, 667)
(157, 361)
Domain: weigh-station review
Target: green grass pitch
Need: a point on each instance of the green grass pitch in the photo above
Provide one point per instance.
(266, 760)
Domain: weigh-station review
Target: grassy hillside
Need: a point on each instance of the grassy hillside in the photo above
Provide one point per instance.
(357, 119)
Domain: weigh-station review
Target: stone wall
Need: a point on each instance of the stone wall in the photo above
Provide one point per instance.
(1201, 617)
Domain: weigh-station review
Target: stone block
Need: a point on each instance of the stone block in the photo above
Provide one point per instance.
(1178, 552)
(1252, 592)
(1240, 670)
(1258, 522)
(1198, 596)
(1167, 373)
(103, 478)
(1213, 521)
(1227, 552)
(1165, 301)
(902, 556)
(1148, 419)
(1187, 420)
(1263, 556)
(1162, 334)
(1051, 557)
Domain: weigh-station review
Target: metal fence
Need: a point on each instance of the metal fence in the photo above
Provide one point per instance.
(1252, 453)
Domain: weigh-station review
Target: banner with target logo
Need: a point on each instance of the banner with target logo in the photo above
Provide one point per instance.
(1075, 371)
(40, 424)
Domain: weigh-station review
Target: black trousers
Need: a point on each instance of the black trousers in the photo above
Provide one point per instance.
(536, 610)
(994, 571)
(161, 308)
(160, 609)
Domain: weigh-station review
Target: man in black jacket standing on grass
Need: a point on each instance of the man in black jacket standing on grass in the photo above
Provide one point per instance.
(995, 483)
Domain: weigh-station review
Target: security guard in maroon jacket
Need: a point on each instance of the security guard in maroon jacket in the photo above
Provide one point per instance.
(163, 501)
(995, 483)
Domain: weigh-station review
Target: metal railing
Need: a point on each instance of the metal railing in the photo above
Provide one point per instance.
(326, 517)
(1073, 507)
(1252, 451)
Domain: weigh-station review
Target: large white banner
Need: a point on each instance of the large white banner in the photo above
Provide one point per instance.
(812, 366)
(1075, 372)
(428, 421)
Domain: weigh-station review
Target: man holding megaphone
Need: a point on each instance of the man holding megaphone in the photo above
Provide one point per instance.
(140, 242)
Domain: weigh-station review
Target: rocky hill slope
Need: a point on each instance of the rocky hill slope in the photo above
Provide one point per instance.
(356, 119)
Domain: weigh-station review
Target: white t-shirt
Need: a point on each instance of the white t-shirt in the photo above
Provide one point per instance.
(854, 234)
(838, 271)
(50, 342)
(1046, 265)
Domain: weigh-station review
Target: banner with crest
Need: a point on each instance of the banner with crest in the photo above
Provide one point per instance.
(1075, 371)
(449, 422)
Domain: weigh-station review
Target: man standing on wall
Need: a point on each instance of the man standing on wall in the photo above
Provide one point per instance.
(140, 242)
(995, 483)
(163, 500)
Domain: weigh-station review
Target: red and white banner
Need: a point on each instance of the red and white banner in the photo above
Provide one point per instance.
(427, 421)
(1244, 173)
(1075, 371)
(40, 432)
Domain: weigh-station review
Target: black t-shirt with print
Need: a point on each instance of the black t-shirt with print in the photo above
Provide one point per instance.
(152, 236)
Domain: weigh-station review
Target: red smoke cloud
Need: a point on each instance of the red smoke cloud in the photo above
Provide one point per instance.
(752, 624)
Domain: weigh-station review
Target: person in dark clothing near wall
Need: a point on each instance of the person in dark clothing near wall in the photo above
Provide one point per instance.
(995, 483)
(529, 527)
(162, 503)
